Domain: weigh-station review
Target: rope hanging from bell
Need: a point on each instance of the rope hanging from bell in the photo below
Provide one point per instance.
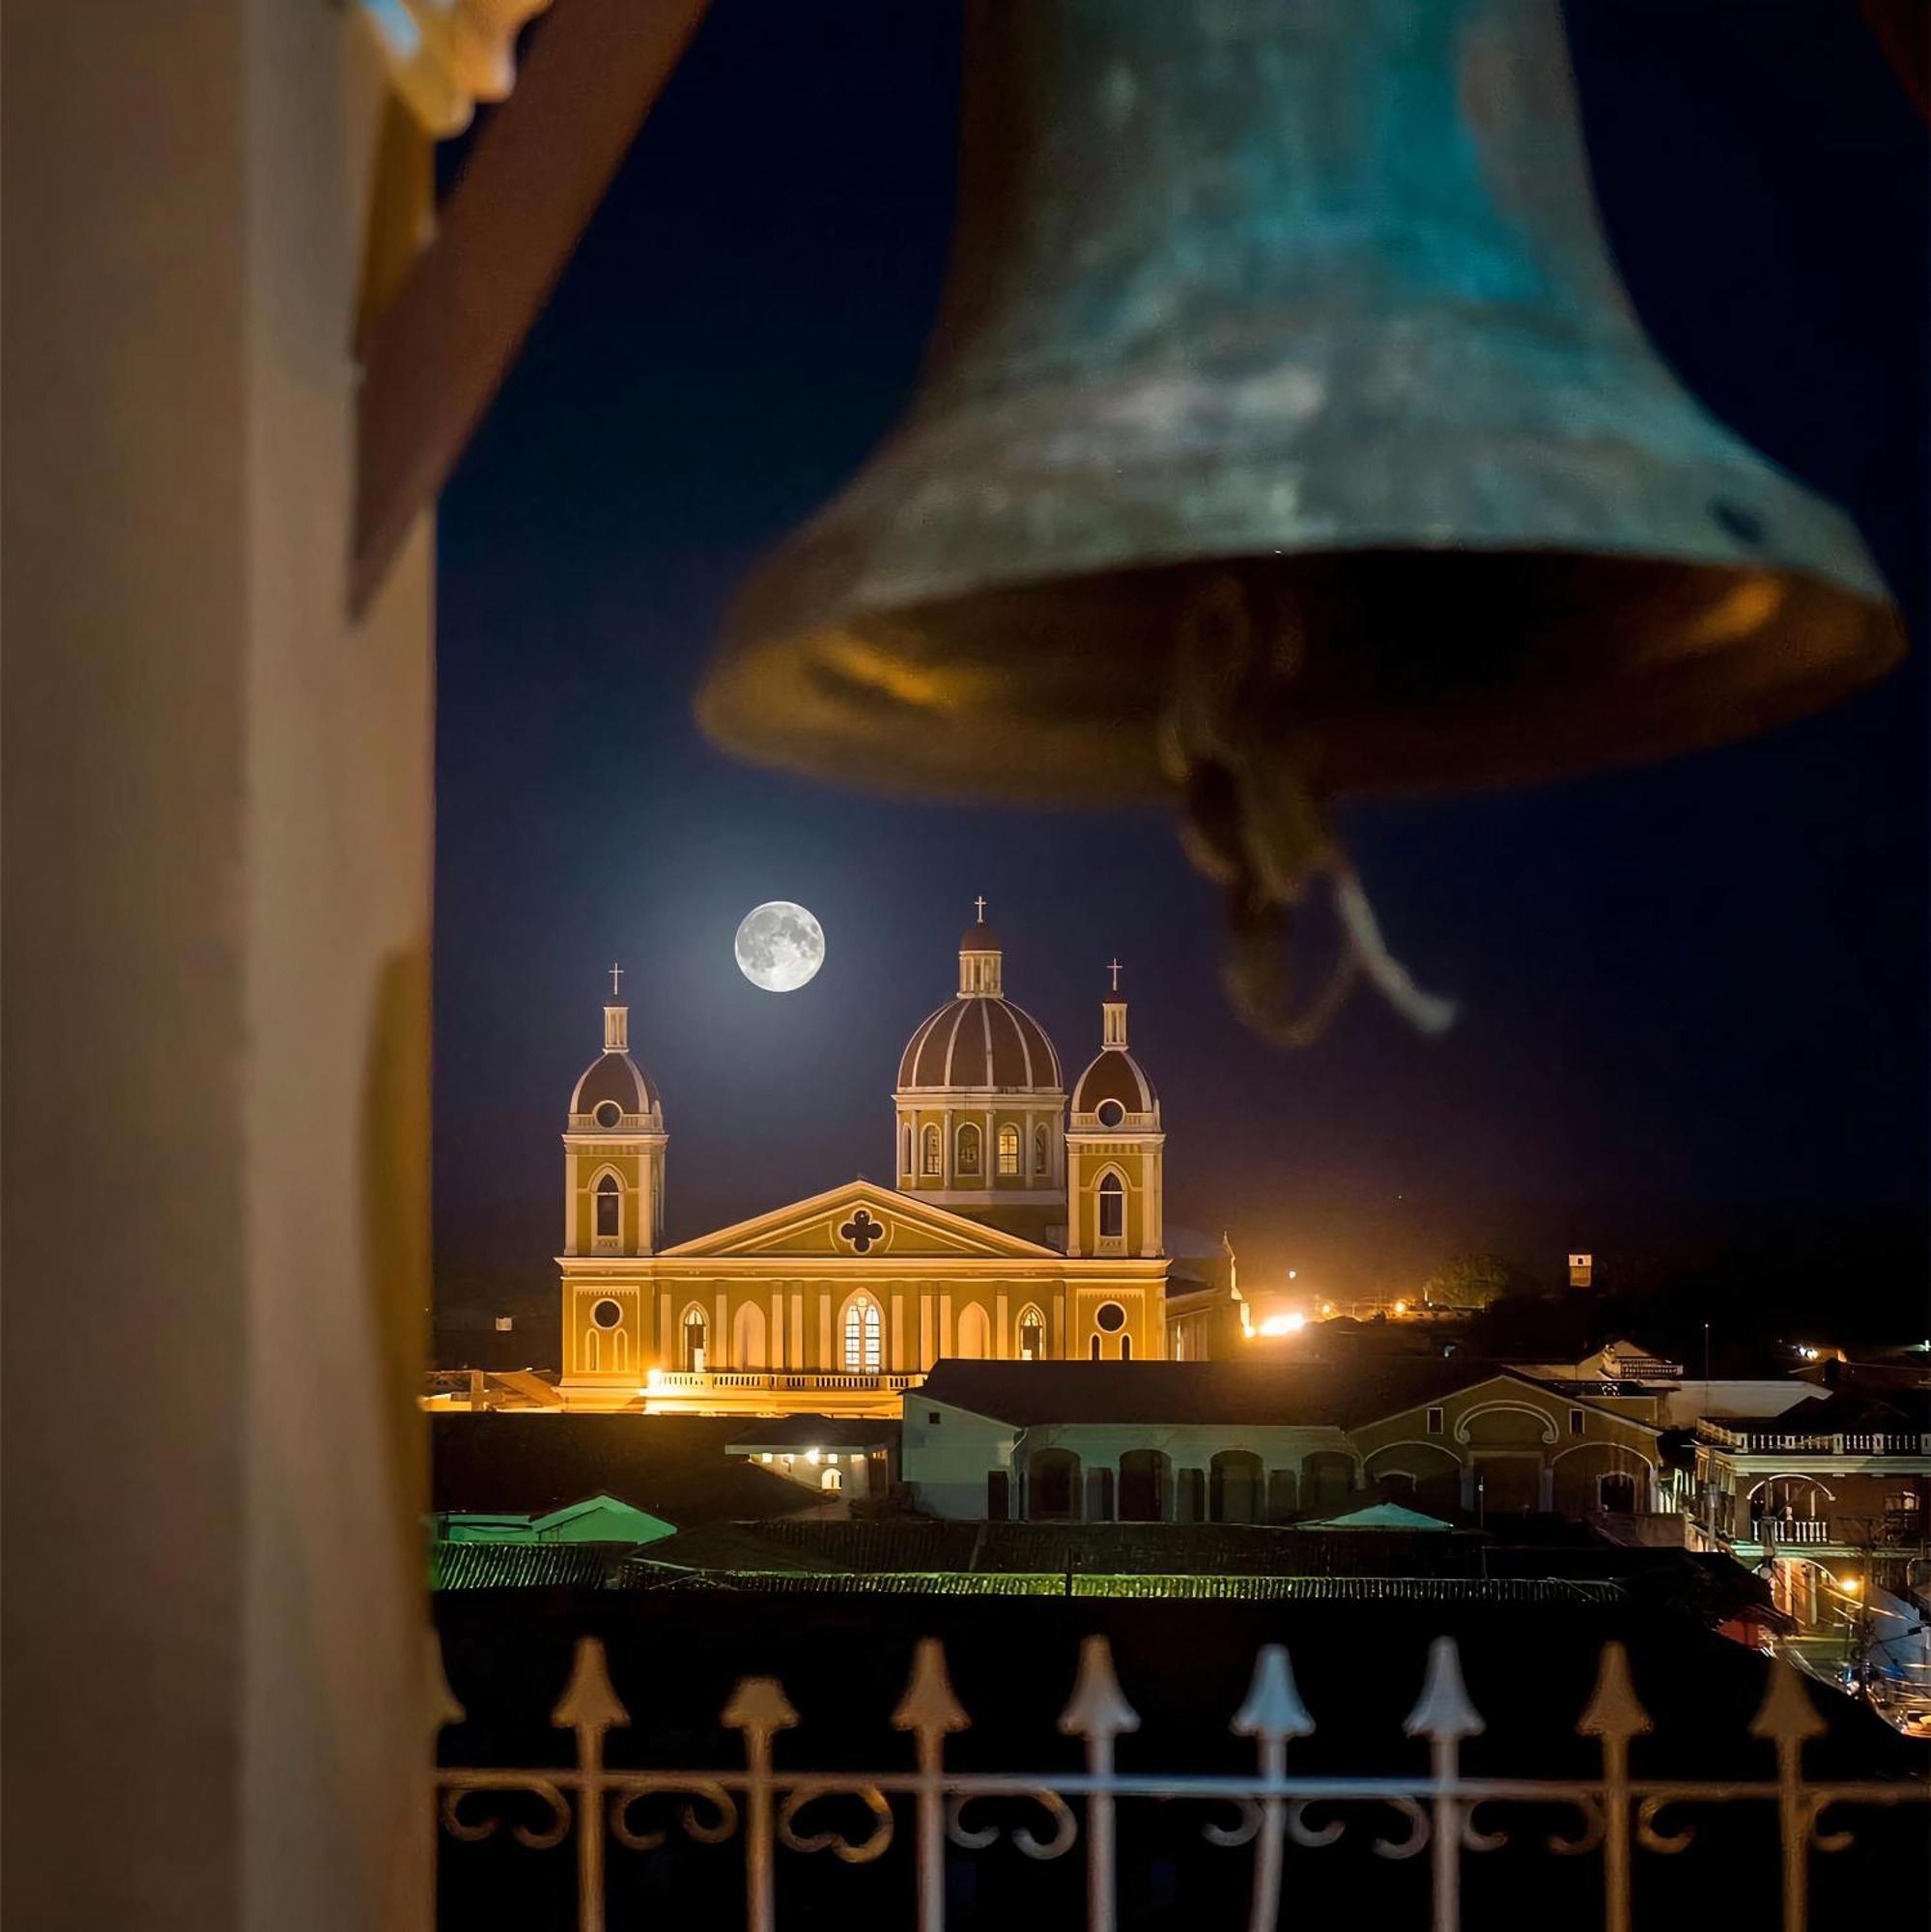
(1254, 822)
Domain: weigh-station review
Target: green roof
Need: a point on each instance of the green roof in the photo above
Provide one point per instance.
(1380, 1516)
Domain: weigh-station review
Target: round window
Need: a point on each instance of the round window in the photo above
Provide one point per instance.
(606, 1314)
(1111, 1113)
(1111, 1316)
(607, 1114)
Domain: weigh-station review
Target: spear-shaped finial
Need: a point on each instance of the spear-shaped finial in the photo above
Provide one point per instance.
(1099, 1707)
(1614, 1709)
(1786, 1714)
(928, 1706)
(759, 1707)
(1273, 1708)
(1443, 1712)
(589, 1701)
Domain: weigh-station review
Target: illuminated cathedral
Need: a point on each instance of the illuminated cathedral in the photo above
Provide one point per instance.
(1027, 1223)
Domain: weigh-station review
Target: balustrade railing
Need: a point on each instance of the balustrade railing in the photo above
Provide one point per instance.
(1618, 1814)
(860, 1381)
(1792, 1530)
(1767, 1442)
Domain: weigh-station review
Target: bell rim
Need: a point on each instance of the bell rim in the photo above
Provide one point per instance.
(768, 701)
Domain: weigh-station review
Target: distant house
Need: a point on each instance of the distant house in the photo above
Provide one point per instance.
(1264, 1441)
(594, 1520)
(1833, 1495)
(836, 1455)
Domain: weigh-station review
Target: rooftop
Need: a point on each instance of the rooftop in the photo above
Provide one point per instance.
(1254, 1393)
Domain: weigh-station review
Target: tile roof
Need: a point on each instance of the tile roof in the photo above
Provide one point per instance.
(525, 1566)
(1260, 1393)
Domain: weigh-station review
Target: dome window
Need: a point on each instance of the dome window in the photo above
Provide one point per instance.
(608, 1114)
(1111, 1113)
(968, 1148)
(1008, 1149)
(606, 1314)
(934, 1152)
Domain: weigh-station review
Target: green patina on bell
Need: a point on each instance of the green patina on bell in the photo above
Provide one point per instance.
(1303, 301)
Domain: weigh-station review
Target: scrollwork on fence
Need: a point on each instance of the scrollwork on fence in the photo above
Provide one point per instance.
(1617, 1814)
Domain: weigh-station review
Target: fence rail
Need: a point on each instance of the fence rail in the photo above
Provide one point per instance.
(1616, 1815)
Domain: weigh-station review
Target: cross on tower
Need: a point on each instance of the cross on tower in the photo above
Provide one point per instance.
(979, 902)
(616, 974)
(1114, 967)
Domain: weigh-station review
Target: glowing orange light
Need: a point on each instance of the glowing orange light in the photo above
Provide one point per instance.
(1284, 1325)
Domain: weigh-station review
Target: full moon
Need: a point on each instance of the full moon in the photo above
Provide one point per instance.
(780, 946)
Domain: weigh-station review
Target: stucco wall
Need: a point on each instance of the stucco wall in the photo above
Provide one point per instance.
(216, 822)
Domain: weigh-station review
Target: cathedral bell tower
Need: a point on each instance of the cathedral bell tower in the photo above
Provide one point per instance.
(613, 1146)
(1116, 1151)
(614, 1149)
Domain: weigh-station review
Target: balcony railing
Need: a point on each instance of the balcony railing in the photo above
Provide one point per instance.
(1792, 1530)
(1766, 1442)
(1617, 1815)
(700, 1382)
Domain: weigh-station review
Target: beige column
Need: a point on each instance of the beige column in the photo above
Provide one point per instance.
(216, 826)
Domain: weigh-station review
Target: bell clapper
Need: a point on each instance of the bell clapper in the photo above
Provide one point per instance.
(1255, 824)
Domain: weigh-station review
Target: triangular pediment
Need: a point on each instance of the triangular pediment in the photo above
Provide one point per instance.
(863, 1219)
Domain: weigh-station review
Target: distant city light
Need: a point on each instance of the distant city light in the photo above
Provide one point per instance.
(1284, 1325)
(1294, 1274)
(810, 1455)
(1401, 1308)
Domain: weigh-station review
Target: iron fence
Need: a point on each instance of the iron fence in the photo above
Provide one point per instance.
(1617, 1815)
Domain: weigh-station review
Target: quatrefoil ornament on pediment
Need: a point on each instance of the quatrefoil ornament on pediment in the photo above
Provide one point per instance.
(862, 1232)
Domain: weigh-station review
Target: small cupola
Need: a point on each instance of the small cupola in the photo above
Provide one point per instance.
(982, 969)
(1114, 1090)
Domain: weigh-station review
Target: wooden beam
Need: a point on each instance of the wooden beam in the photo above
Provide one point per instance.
(540, 166)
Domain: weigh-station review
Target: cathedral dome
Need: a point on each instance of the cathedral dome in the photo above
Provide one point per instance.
(980, 1040)
(613, 1078)
(1115, 1076)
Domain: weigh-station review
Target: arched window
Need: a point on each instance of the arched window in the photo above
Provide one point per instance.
(1112, 1208)
(832, 1480)
(862, 1351)
(1032, 1335)
(691, 1355)
(905, 1151)
(1127, 1347)
(1008, 1149)
(609, 1205)
(934, 1161)
(968, 1148)
(1042, 1160)
(1093, 1347)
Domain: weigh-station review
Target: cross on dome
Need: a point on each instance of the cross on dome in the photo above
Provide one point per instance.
(616, 974)
(979, 906)
(1114, 967)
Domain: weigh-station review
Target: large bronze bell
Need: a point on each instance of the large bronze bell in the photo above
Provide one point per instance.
(1285, 330)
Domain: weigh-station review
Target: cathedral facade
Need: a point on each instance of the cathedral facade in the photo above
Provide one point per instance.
(1027, 1223)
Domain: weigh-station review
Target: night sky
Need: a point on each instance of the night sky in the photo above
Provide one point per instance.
(1695, 995)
